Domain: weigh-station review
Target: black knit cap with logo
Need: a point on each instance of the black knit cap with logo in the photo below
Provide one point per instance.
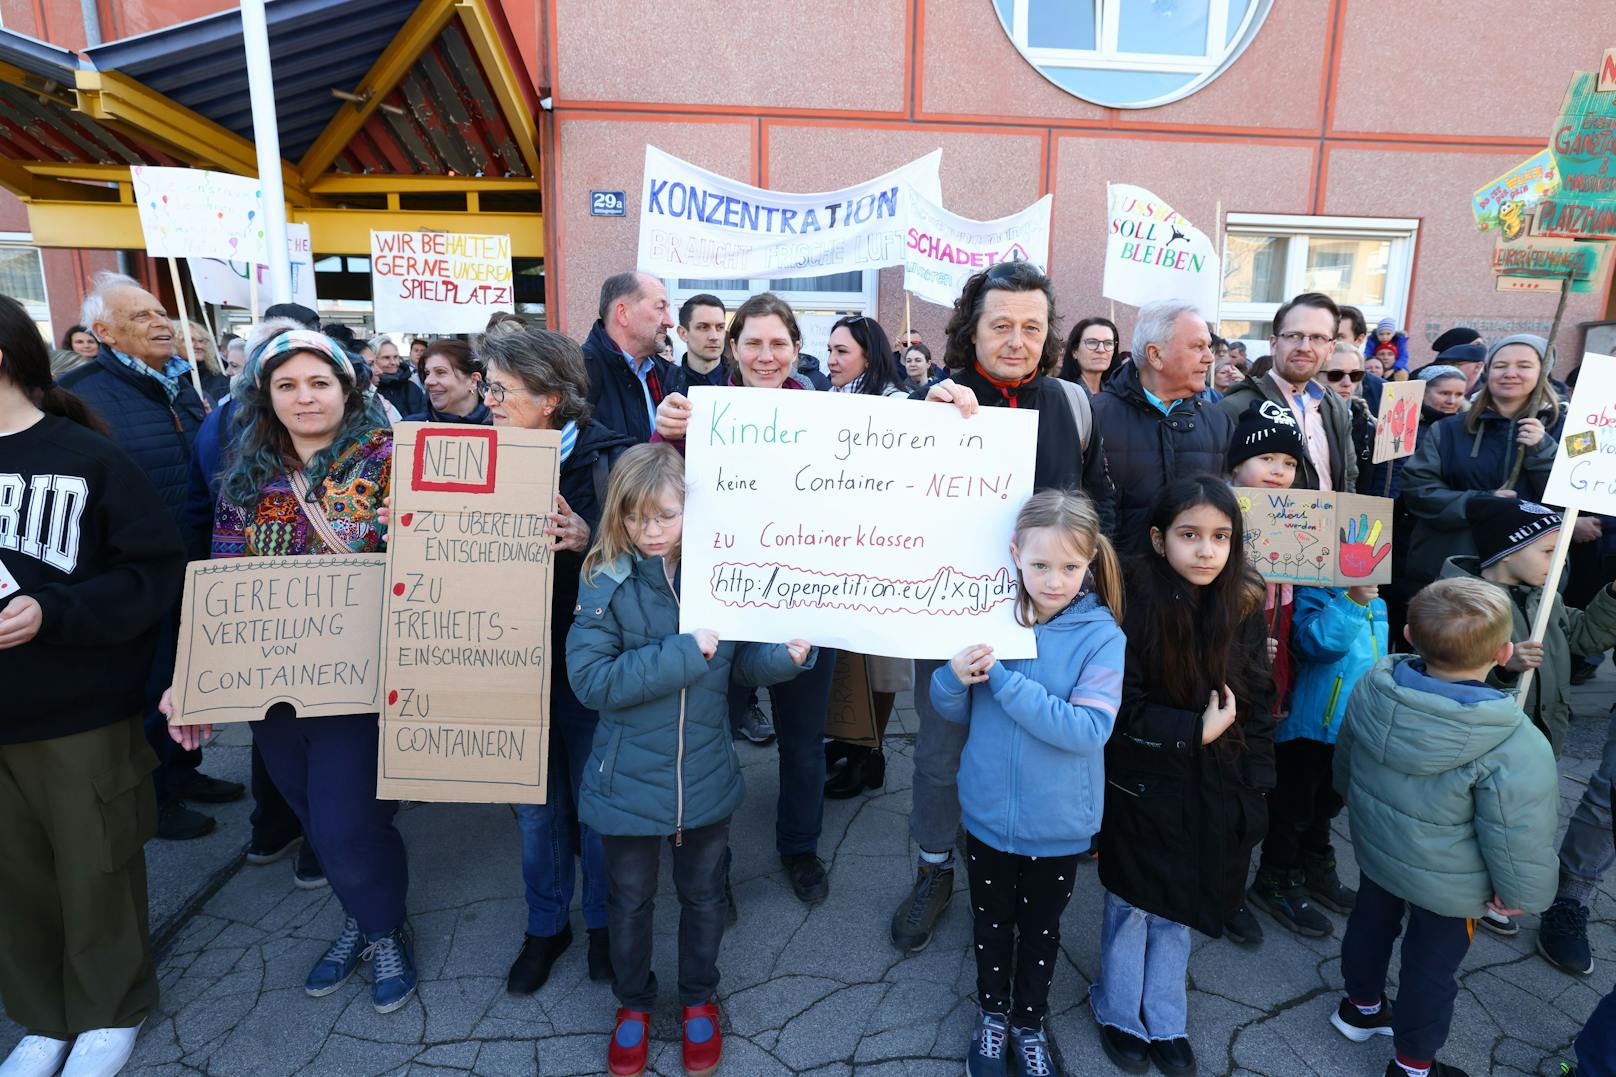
(1266, 427)
(1502, 525)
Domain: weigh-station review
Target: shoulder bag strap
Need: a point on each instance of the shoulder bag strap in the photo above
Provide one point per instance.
(315, 514)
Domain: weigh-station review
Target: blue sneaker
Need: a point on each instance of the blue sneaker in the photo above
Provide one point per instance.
(1030, 1047)
(393, 975)
(338, 964)
(987, 1057)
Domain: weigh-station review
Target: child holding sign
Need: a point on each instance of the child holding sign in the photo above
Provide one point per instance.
(663, 766)
(1032, 775)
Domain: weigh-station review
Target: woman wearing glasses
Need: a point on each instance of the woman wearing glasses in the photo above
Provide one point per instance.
(535, 381)
(1091, 354)
(1343, 375)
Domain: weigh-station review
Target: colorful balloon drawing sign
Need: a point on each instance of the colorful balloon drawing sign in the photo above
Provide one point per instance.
(194, 213)
(1318, 538)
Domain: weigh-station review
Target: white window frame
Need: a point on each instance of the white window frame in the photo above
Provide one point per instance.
(1108, 57)
(1403, 232)
(39, 312)
(810, 307)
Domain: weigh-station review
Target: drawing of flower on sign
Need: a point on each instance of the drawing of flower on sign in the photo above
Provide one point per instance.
(194, 213)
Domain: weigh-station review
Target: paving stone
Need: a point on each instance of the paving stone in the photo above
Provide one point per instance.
(507, 1057)
(453, 1007)
(452, 1055)
(830, 1029)
(361, 1058)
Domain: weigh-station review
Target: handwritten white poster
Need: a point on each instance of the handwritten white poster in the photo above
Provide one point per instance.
(1584, 474)
(858, 522)
(1153, 253)
(226, 282)
(439, 282)
(943, 249)
(194, 213)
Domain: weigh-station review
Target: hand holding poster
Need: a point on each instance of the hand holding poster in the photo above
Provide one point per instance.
(696, 223)
(851, 521)
(1397, 427)
(194, 213)
(943, 248)
(1584, 473)
(467, 646)
(439, 282)
(1153, 253)
(1317, 538)
(256, 631)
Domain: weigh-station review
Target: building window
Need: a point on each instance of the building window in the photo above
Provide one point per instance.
(1131, 53)
(1365, 262)
(22, 277)
(816, 301)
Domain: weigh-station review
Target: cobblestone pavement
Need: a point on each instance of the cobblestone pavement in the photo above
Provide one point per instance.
(804, 990)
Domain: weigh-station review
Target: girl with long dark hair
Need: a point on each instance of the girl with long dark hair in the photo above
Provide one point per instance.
(89, 567)
(1185, 769)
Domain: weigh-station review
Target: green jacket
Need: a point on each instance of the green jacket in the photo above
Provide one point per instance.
(1571, 632)
(1451, 795)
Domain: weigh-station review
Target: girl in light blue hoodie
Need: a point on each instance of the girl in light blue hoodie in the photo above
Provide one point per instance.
(1031, 779)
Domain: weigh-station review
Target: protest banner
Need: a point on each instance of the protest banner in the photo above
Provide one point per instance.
(942, 249)
(696, 223)
(850, 717)
(1584, 472)
(1397, 427)
(1584, 145)
(439, 282)
(258, 631)
(1317, 538)
(230, 283)
(1520, 187)
(466, 646)
(873, 525)
(194, 213)
(1153, 253)
(1582, 262)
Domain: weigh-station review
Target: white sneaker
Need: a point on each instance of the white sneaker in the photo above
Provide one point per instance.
(101, 1052)
(35, 1056)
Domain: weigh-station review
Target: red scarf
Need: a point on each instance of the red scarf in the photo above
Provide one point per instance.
(1007, 389)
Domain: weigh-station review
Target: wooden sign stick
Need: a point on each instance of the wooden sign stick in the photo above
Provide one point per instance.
(185, 331)
(1551, 587)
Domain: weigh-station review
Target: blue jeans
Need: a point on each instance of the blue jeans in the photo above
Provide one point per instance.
(800, 706)
(934, 814)
(1596, 1046)
(1588, 850)
(1143, 963)
(553, 840)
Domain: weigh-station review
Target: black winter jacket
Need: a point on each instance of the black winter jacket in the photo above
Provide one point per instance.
(1145, 450)
(401, 390)
(1181, 819)
(615, 392)
(583, 484)
(156, 432)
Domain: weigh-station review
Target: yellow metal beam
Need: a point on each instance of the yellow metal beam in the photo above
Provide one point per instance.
(344, 183)
(79, 171)
(116, 225)
(16, 179)
(504, 78)
(121, 102)
(423, 27)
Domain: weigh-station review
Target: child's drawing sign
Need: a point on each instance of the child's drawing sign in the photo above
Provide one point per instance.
(1398, 425)
(1319, 538)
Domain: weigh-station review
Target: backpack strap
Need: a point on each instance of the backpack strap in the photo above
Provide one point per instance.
(1082, 412)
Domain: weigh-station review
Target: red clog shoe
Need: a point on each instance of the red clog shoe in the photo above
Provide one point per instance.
(703, 1042)
(631, 1041)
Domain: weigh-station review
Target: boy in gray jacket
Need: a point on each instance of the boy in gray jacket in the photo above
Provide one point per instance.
(1451, 796)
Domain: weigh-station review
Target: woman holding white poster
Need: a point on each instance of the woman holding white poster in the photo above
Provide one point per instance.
(306, 478)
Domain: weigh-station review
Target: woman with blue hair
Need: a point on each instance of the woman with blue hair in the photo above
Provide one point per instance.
(307, 474)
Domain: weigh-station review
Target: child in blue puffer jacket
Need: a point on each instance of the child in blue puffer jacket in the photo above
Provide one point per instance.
(1031, 778)
(1337, 635)
(662, 768)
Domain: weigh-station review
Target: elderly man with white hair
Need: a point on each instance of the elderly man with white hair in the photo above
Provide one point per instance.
(1151, 419)
(143, 391)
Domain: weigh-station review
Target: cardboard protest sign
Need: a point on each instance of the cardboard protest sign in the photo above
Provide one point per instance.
(942, 249)
(873, 525)
(1397, 427)
(194, 213)
(466, 648)
(1521, 186)
(439, 282)
(227, 282)
(1535, 258)
(1315, 537)
(1152, 253)
(1584, 473)
(851, 715)
(696, 223)
(1585, 152)
(257, 631)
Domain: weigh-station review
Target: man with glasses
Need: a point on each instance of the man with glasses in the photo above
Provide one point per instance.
(1304, 338)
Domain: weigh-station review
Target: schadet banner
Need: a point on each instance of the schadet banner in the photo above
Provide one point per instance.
(1584, 473)
(439, 282)
(696, 223)
(942, 249)
(873, 525)
(1153, 253)
(194, 213)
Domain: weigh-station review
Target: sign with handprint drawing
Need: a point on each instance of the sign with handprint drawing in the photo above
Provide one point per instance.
(1398, 424)
(1317, 538)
